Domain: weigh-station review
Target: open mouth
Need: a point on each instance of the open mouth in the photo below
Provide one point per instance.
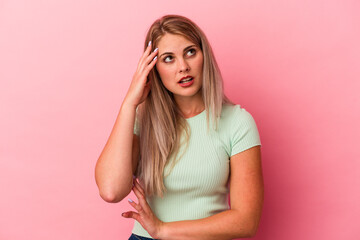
(186, 82)
(186, 79)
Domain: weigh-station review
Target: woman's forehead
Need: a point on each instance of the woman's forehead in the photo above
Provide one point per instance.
(171, 42)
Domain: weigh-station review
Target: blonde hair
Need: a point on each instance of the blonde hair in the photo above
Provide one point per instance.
(160, 121)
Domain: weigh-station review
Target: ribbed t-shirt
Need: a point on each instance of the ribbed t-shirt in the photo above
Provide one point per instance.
(197, 186)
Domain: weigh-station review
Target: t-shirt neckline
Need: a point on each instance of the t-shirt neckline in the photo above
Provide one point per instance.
(196, 116)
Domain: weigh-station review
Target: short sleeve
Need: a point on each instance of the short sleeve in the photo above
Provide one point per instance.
(245, 133)
(136, 125)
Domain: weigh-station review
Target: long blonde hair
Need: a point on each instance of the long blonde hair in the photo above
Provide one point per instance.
(160, 121)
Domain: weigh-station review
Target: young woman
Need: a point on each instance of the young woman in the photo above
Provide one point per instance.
(181, 145)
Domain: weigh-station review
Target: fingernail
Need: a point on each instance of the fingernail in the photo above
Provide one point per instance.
(149, 43)
(130, 200)
(155, 58)
(156, 49)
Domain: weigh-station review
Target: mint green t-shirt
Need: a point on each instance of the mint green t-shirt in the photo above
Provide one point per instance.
(197, 186)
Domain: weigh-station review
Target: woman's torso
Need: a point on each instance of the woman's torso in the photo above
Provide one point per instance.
(197, 186)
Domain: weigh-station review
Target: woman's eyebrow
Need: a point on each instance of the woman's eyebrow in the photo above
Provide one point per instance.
(185, 49)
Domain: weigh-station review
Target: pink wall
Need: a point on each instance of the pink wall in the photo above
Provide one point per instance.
(65, 67)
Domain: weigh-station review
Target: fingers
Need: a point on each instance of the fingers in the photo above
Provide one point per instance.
(152, 56)
(147, 57)
(149, 61)
(131, 214)
(140, 195)
(145, 54)
(141, 207)
(138, 186)
(137, 207)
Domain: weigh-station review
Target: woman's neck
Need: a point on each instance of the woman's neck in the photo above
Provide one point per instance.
(190, 106)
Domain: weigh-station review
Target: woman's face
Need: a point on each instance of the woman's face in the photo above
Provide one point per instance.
(180, 66)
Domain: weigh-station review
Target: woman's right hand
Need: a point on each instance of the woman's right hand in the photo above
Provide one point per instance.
(139, 88)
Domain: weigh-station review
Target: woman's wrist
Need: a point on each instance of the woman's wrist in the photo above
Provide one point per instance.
(162, 232)
(127, 103)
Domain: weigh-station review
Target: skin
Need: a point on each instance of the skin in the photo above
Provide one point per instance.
(179, 57)
(246, 179)
(117, 162)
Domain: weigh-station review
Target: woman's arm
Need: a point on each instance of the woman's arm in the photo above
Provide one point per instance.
(118, 160)
(114, 168)
(246, 199)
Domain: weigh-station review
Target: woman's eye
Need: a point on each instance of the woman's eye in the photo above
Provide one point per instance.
(167, 59)
(191, 52)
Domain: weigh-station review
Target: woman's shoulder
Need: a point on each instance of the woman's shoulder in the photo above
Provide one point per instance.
(229, 109)
(235, 113)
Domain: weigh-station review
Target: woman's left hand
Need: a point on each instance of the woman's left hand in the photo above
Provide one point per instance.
(144, 214)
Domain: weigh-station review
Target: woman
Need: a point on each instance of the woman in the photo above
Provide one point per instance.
(182, 164)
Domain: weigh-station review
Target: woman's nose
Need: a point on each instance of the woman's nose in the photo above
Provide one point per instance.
(183, 66)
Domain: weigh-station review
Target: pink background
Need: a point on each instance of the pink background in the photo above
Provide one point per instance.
(65, 67)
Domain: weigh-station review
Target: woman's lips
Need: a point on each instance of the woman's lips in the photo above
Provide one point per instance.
(187, 84)
(186, 77)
